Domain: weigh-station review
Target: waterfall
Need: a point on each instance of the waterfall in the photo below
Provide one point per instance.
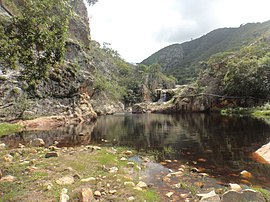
(163, 96)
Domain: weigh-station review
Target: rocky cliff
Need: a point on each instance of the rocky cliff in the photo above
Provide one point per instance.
(68, 88)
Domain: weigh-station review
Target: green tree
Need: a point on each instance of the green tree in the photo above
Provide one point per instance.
(35, 39)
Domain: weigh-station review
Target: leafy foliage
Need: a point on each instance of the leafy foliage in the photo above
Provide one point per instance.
(244, 73)
(35, 39)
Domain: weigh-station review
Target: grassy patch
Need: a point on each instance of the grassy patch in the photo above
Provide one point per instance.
(6, 128)
(262, 112)
(32, 179)
(264, 192)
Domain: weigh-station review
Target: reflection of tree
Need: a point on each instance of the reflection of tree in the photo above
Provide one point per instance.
(225, 141)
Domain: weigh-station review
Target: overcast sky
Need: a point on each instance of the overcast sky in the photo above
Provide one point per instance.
(138, 28)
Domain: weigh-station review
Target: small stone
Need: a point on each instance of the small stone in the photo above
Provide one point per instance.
(183, 195)
(141, 184)
(123, 159)
(96, 148)
(8, 178)
(166, 179)
(37, 142)
(97, 193)
(235, 187)
(131, 198)
(211, 196)
(112, 191)
(113, 170)
(194, 170)
(8, 158)
(168, 161)
(138, 188)
(88, 179)
(2, 146)
(130, 184)
(177, 174)
(53, 148)
(245, 174)
(86, 195)
(21, 146)
(131, 164)
(49, 187)
(67, 180)
(51, 154)
(199, 184)
(169, 194)
(202, 160)
(128, 153)
(64, 197)
(77, 176)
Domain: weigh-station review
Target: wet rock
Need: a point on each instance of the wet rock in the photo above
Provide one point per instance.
(263, 153)
(131, 198)
(97, 194)
(129, 184)
(2, 146)
(63, 196)
(141, 184)
(8, 158)
(51, 154)
(37, 142)
(67, 180)
(90, 179)
(209, 197)
(128, 153)
(235, 187)
(169, 194)
(245, 196)
(245, 174)
(8, 178)
(86, 195)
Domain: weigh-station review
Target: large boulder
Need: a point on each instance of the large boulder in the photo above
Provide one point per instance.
(247, 195)
(262, 154)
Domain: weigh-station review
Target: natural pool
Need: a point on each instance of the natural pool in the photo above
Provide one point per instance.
(220, 146)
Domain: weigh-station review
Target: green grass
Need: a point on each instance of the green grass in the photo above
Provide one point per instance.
(264, 192)
(262, 112)
(6, 128)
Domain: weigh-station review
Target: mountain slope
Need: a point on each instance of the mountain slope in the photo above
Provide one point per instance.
(182, 60)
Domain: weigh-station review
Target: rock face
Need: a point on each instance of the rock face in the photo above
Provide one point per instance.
(67, 91)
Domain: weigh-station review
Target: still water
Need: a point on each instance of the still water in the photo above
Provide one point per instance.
(220, 145)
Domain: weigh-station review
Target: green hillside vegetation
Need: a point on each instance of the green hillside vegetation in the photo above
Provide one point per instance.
(183, 60)
(244, 73)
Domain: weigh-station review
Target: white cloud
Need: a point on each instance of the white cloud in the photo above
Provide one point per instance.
(138, 28)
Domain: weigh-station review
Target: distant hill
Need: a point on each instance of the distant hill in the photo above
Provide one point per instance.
(182, 60)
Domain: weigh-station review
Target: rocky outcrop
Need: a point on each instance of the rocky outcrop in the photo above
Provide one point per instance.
(69, 87)
(262, 155)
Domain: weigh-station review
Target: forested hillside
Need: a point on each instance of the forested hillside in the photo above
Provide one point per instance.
(185, 61)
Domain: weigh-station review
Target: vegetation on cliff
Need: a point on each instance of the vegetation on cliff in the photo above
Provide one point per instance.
(35, 38)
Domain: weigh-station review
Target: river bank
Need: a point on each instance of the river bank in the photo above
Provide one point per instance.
(93, 173)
